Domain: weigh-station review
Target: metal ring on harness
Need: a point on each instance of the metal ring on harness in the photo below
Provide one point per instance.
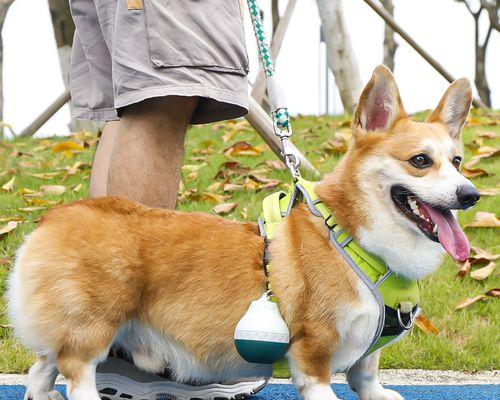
(402, 324)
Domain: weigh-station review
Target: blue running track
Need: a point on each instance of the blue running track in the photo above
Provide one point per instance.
(288, 392)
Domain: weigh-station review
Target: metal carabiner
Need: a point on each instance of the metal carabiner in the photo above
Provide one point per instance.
(402, 324)
(291, 156)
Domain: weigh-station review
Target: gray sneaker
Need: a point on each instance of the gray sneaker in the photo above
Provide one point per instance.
(118, 380)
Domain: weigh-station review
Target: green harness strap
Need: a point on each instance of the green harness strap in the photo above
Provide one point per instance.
(397, 297)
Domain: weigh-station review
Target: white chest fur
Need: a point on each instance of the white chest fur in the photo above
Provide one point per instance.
(357, 326)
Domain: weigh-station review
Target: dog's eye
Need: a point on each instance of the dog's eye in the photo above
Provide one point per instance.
(456, 162)
(421, 161)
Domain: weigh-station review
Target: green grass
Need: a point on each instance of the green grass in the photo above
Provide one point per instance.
(468, 339)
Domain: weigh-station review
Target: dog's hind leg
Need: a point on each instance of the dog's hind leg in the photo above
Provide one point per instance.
(41, 378)
(309, 359)
(363, 379)
(81, 377)
(79, 354)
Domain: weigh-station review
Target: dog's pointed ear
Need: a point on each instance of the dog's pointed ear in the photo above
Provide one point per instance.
(379, 105)
(454, 107)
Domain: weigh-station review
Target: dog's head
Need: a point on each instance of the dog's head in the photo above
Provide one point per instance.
(407, 171)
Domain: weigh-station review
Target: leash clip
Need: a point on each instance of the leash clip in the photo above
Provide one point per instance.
(291, 156)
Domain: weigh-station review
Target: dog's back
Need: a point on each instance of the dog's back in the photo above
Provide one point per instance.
(93, 266)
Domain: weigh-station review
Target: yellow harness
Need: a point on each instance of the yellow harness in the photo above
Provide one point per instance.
(396, 296)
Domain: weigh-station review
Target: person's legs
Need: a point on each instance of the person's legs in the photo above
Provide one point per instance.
(140, 157)
(100, 166)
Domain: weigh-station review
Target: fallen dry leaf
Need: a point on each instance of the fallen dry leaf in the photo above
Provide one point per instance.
(469, 165)
(270, 185)
(483, 273)
(480, 254)
(487, 134)
(275, 164)
(11, 225)
(493, 292)
(486, 152)
(212, 197)
(232, 187)
(207, 143)
(15, 153)
(227, 137)
(489, 191)
(77, 187)
(251, 184)
(242, 149)
(187, 195)
(44, 175)
(76, 167)
(198, 159)
(38, 202)
(484, 220)
(474, 173)
(214, 187)
(9, 185)
(244, 213)
(225, 208)
(231, 168)
(52, 190)
(25, 192)
(31, 209)
(192, 176)
(335, 146)
(480, 153)
(5, 261)
(425, 324)
(259, 172)
(67, 146)
(192, 168)
(11, 218)
(469, 301)
(464, 269)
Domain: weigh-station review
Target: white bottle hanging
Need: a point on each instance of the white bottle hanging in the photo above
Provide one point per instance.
(262, 335)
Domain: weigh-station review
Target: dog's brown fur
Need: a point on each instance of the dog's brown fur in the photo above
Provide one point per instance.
(93, 265)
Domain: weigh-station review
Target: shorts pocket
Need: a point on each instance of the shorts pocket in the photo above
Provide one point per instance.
(207, 34)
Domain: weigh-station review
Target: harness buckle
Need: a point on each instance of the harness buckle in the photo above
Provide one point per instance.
(327, 221)
(406, 308)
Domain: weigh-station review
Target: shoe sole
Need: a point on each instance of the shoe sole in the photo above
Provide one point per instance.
(118, 387)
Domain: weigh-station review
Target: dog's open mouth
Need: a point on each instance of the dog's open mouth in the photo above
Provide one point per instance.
(438, 224)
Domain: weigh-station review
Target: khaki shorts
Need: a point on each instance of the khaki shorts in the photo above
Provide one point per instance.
(126, 51)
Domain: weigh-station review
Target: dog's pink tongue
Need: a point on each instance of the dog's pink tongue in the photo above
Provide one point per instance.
(450, 235)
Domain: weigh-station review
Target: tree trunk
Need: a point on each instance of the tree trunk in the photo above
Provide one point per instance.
(4, 8)
(483, 88)
(64, 30)
(480, 79)
(276, 14)
(341, 57)
(390, 45)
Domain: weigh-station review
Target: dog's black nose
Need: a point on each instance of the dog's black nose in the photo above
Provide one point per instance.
(467, 196)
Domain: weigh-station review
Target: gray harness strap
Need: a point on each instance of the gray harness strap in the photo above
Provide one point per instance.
(340, 248)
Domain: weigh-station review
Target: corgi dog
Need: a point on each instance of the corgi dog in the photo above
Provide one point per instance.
(170, 287)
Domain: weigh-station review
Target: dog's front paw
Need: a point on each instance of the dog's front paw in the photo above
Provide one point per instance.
(379, 394)
(55, 395)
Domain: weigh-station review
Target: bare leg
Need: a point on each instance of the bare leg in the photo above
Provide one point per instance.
(146, 162)
(363, 379)
(100, 166)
